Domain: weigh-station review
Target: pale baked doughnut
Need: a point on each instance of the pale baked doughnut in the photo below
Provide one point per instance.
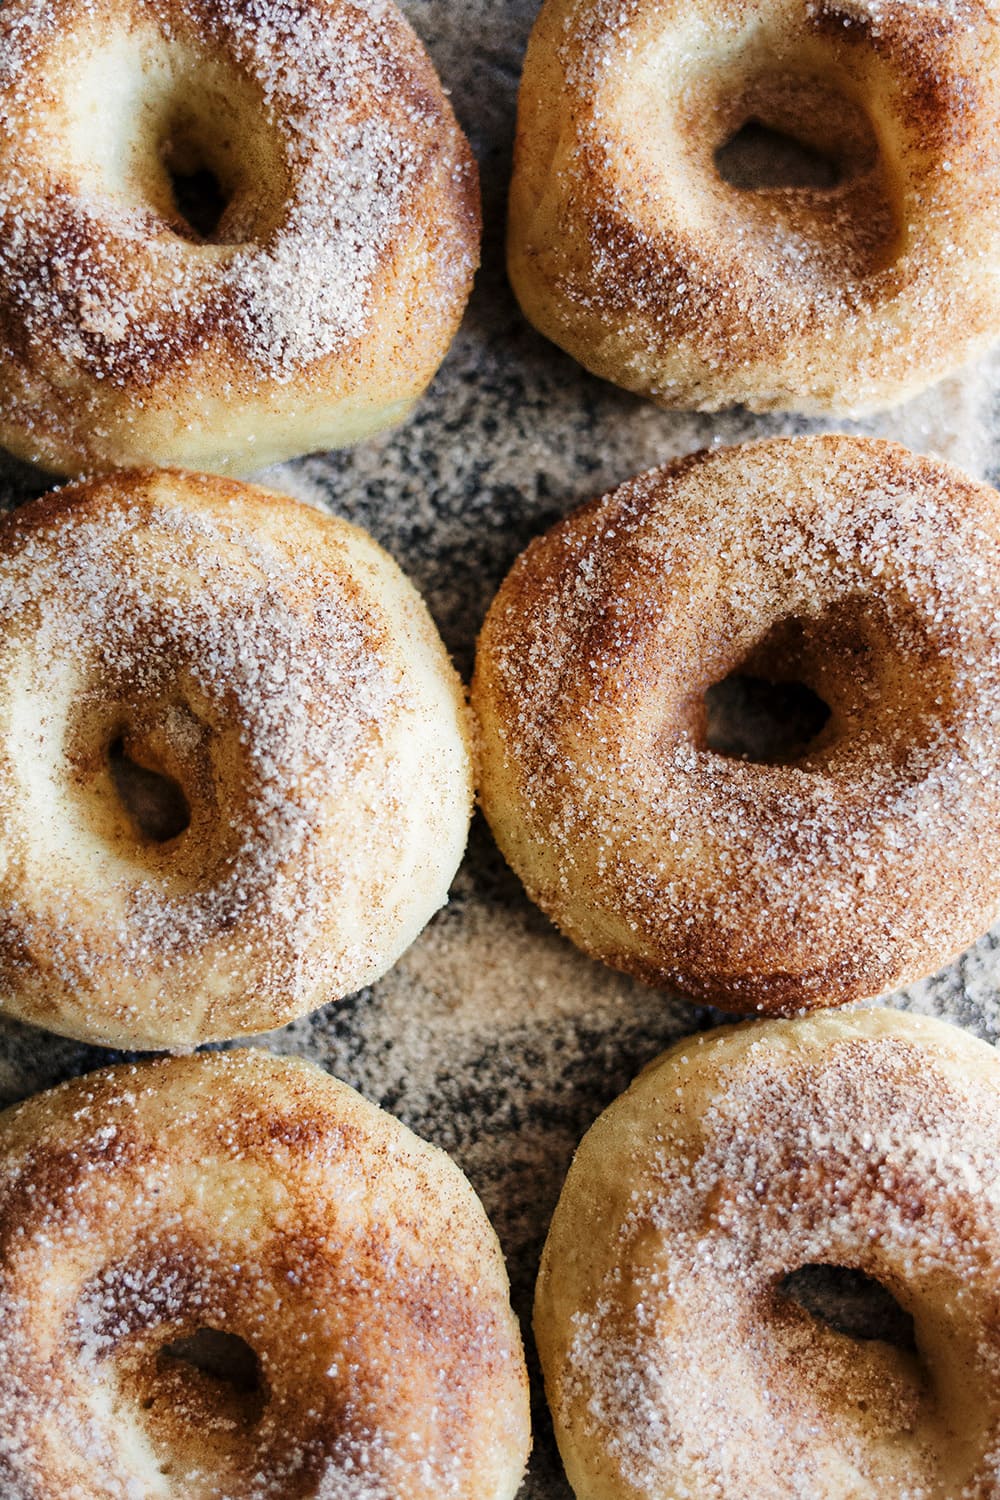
(630, 250)
(318, 307)
(868, 574)
(344, 1288)
(675, 1367)
(275, 666)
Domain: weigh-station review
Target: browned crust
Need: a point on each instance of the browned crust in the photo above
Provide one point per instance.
(627, 248)
(115, 333)
(755, 887)
(255, 1195)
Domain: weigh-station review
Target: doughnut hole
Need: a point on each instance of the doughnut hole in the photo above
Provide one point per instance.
(199, 1395)
(146, 765)
(183, 1352)
(850, 1302)
(206, 1378)
(216, 168)
(801, 157)
(757, 158)
(167, 132)
(851, 1328)
(149, 787)
(155, 803)
(795, 134)
(775, 162)
(750, 718)
(816, 684)
(199, 196)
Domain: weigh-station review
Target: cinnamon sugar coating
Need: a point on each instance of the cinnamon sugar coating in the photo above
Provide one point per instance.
(861, 863)
(274, 665)
(629, 248)
(255, 1197)
(317, 307)
(676, 1368)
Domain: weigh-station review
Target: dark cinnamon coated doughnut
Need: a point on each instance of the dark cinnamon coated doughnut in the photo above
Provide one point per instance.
(862, 860)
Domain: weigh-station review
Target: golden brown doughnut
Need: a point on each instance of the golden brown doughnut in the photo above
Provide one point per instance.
(281, 683)
(862, 862)
(629, 248)
(229, 1277)
(676, 1366)
(134, 328)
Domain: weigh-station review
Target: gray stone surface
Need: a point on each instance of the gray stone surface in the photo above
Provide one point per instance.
(494, 1037)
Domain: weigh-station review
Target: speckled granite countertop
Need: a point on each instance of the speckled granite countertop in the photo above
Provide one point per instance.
(493, 1037)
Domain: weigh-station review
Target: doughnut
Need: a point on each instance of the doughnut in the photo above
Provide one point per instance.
(229, 232)
(676, 1363)
(230, 1277)
(845, 289)
(235, 777)
(861, 859)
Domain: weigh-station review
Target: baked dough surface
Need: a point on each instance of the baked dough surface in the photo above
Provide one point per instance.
(865, 572)
(256, 1198)
(676, 1368)
(630, 249)
(313, 313)
(274, 667)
